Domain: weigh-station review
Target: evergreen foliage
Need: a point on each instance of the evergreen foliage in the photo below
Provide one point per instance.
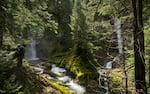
(78, 34)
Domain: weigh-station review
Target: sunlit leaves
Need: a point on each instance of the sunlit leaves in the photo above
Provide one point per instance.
(107, 9)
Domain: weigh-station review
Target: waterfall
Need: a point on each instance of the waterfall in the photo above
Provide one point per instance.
(33, 50)
(108, 66)
(30, 53)
(118, 31)
(120, 51)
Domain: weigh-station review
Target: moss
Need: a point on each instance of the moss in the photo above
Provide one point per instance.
(77, 62)
(50, 90)
(58, 57)
(57, 85)
(117, 81)
(52, 74)
(80, 68)
(116, 78)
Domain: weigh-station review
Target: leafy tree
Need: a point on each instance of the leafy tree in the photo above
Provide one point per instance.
(61, 12)
(80, 36)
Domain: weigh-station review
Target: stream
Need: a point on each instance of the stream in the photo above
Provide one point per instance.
(70, 82)
(31, 55)
(62, 77)
(109, 65)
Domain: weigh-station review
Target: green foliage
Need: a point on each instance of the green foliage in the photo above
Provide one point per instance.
(110, 7)
(117, 79)
(75, 33)
(12, 80)
(81, 67)
(61, 12)
(147, 50)
(79, 26)
(8, 84)
(29, 18)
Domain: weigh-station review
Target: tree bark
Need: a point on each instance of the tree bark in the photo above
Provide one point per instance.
(139, 60)
(125, 73)
(149, 72)
(1, 31)
(2, 21)
(1, 37)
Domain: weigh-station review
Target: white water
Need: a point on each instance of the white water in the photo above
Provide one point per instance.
(57, 70)
(78, 89)
(64, 79)
(119, 36)
(31, 50)
(109, 65)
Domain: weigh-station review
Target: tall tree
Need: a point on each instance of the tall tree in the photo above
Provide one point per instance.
(61, 11)
(2, 21)
(139, 59)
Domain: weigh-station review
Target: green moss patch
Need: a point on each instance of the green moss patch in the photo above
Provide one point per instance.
(78, 65)
(78, 61)
(57, 85)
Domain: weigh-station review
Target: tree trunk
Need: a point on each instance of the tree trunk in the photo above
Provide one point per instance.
(1, 37)
(2, 22)
(125, 73)
(1, 31)
(149, 71)
(139, 60)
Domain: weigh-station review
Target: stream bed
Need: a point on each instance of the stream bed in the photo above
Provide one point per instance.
(66, 79)
(60, 77)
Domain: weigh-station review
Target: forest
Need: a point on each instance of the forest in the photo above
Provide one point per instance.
(74, 46)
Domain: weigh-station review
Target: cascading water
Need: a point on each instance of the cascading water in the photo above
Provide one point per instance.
(30, 53)
(78, 89)
(109, 64)
(119, 37)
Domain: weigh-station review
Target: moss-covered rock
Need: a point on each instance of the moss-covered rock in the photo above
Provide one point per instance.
(117, 81)
(117, 78)
(57, 85)
(77, 64)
